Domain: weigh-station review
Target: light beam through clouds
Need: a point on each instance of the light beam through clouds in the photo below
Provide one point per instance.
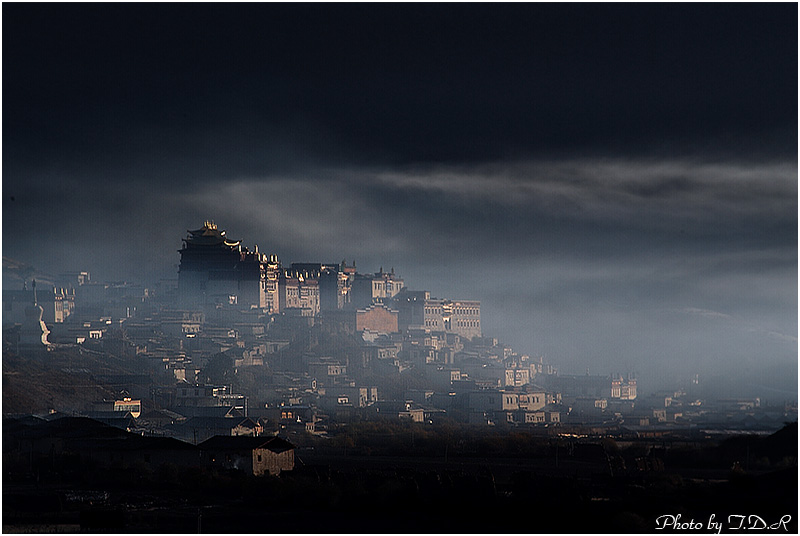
(590, 172)
(665, 268)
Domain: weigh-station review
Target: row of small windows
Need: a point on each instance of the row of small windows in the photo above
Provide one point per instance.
(304, 291)
(459, 311)
(387, 286)
(535, 417)
(433, 323)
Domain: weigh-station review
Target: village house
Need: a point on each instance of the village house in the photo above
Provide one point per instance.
(254, 455)
(327, 371)
(198, 429)
(397, 410)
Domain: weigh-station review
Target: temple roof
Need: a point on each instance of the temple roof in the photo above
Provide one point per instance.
(209, 235)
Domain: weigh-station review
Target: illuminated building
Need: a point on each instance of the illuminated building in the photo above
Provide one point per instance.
(367, 289)
(215, 270)
(418, 310)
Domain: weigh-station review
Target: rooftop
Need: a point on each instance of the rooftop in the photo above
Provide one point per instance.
(274, 443)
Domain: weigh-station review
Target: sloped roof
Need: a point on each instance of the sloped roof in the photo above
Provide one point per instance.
(220, 423)
(209, 234)
(75, 427)
(161, 414)
(207, 411)
(275, 444)
(133, 443)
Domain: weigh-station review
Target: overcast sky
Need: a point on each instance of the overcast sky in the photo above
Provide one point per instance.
(616, 183)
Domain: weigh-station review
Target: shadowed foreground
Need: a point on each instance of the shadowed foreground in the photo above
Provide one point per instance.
(588, 487)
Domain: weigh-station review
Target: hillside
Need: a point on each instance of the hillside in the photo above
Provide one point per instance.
(64, 379)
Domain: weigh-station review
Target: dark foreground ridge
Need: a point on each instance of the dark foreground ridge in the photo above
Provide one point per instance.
(79, 475)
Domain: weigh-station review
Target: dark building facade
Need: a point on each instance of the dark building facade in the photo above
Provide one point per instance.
(215, 270)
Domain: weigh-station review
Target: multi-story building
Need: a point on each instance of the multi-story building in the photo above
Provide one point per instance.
(420, 346)
(355, 396)
(189, 395)
(332, 282)
(456, 316)
(506, 406)
(298, 291)
(215, 270)
(182, 323)
(366, 289)
(624, 389)
(129, 405)
(385, 285)
(273, 274)
(418, 310)
(410, 305)
(532, 400)
(327, 372)
(516, 376)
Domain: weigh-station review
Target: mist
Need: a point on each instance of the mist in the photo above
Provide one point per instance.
(621, 198)
(664, 269)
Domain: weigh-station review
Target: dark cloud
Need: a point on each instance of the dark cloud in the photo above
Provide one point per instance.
(616, 183)
(392, 83)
